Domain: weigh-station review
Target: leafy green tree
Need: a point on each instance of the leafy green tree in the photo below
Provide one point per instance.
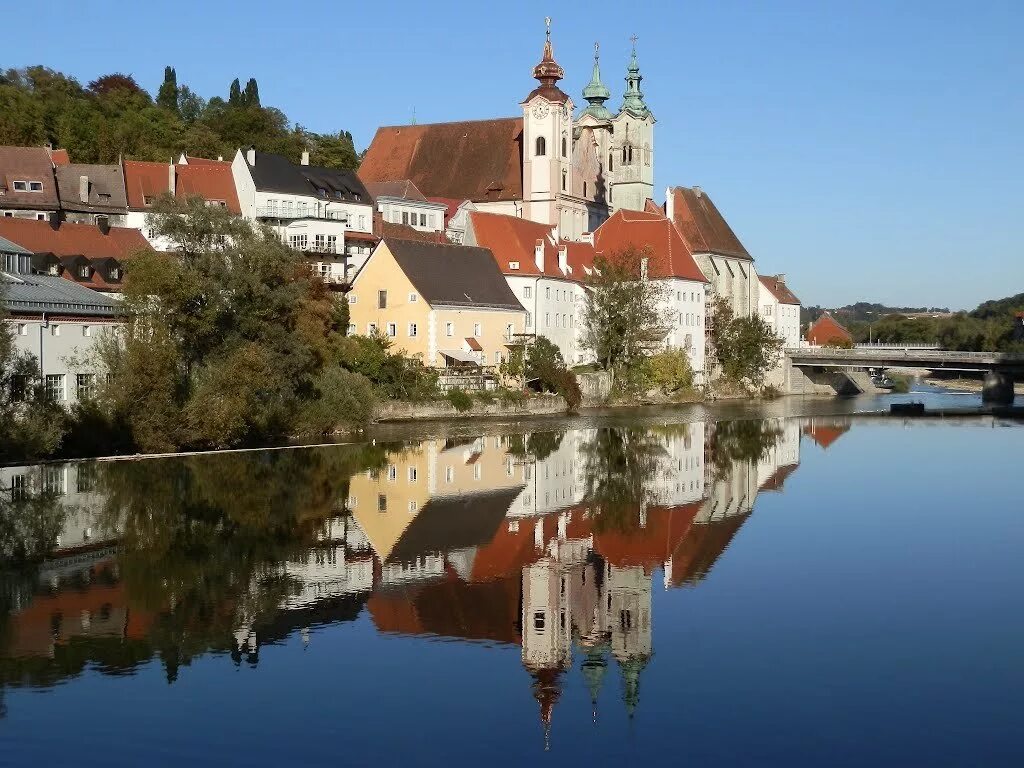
(545, 366)
(746, 347)
(167, 96)
(671, 371)
(109, 84)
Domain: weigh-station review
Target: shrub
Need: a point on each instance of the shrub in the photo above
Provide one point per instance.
(670, 370)
(460, 399)
(341, 398)
(395, 376)
(511, 398)
(485, 396)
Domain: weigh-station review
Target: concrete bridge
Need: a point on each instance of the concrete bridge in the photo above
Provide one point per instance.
(842, 369)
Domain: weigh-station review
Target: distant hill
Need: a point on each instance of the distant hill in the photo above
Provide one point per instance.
(866, 312)
(999, 307)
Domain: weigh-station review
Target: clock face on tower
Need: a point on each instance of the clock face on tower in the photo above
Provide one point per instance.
(540, 111)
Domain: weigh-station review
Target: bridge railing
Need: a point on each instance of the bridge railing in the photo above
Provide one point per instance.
(938, 355)
(887, 345)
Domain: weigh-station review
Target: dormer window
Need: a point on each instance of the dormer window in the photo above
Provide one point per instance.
(513, 265)
(84, 271)
(114, 273)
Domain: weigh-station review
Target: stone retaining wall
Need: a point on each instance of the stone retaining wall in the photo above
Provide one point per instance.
(442, 409)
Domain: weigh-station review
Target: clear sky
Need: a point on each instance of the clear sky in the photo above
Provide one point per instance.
(870, 150)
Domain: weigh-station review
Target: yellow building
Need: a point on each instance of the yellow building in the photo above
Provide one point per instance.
(448, 304)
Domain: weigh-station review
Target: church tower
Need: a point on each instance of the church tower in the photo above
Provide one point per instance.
(631, 157)
(548, 195)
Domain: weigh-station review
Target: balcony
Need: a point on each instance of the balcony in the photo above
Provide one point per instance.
(310, 212)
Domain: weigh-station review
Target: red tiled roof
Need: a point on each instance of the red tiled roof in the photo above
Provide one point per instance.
(653, 234)
(512, 239)
(778, 478)
(453, 204)
(471, 160)
(700, 223)
(60, 157)
(652, 207)
(206, 161)
(27, 164)
(700, 550)
(825, 329)
(402, 188)
(390, 229)
(777, 288)
(580, 257)
(826, 434)
(144, 179)
(210, 181)
(651, 545)
(73, 239)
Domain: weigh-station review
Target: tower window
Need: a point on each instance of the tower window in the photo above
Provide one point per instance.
(563, 181)
(584, 189)
(542, 147)
(611, 162)
(564, 147)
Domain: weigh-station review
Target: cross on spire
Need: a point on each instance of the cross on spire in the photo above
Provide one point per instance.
(547, 25)
(634, 38)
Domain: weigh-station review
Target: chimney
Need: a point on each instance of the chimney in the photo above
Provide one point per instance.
(305, 158)
(54, 217)
(697, 191)
(250, 155)
(563, 259)
(538, 255)
(103, 225)
(170, 178)
(220, 158)
(781, 279)
(83, 188)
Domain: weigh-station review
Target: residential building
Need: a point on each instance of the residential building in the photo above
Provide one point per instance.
(666, 258)
(324, 212)
(56, 321)
(826, 331)
(542, 164)
(92, 255)
(537, 270)
(28, 187)
(91, 193)
(720, 254)
(780, 308)
(447, 304)
(400, 202)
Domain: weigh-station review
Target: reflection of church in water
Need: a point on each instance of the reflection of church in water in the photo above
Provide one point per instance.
(492, 538)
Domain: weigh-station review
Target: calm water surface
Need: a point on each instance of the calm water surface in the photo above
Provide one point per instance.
(809, 590)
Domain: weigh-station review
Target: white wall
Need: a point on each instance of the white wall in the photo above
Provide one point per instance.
(399, 211)
(685, 303)
(784, 319)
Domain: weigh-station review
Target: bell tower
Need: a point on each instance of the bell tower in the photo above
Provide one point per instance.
(632, 152)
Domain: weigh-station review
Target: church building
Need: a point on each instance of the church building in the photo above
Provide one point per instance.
(546, 165)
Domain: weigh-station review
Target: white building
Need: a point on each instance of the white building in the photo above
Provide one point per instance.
(400, 202)
(780, 308)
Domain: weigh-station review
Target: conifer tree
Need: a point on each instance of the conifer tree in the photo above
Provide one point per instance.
(235, 93)
(167, 96)
(251, 97)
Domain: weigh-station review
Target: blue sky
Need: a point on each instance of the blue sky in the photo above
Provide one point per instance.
(869, 150)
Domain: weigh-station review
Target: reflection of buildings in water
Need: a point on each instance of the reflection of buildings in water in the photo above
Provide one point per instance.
(825, 430)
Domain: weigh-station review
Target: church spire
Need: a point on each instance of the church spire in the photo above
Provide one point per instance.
(596, 93)
(633, 101)
(548, 72)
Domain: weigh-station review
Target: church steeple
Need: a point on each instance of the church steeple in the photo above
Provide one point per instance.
(596, 93)
(548, 71)
(633, 101)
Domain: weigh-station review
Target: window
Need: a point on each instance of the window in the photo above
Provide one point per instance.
(563, 180)
(332, 243)
(352, 298)
(547, 293)
(19, 388)
(529, 320)
(83, 271)
(412, 330)
(584, 189)
(547, 319)
(148, 199)
(85, 385)
(114, 273)
(412, 474)
(37, 186)
(509, 330)
(476, 329)
(392, 330)
(299, 242)
(412, 505)
(87, 330)
(382, 502)
(54, 329)
(514, 265)
(565, 145)
(382, 299)
(540, 150)
(449, 474)
(413, 298)
(351, 329)
(371, 329)
(405, 217)
(319, 242)
(423, 219)
(688, 343)
(497, 358)
(611, 162)
(449, 329)
(151, 233)
(527, 290)
(392, 472)
(55, 386)
(22, 329)
(22, 186)
(538, 621)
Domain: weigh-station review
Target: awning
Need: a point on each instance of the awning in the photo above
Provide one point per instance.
(461, 356)
(473, 344)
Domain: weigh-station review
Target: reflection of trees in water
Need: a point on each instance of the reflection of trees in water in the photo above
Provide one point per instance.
(735, 442)
(201, 539)
(621, 466)
(536, 445)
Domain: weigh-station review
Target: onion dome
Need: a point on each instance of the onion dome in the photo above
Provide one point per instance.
(548, 72)
(633, 101)
(596, 93)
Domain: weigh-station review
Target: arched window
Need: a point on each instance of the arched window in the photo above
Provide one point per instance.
(563, 181)
(609, 194)
(625, 157)
(542, 147)
(611, 162)
(584, 189)
(565, 144)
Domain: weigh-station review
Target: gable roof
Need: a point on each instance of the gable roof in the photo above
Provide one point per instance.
(275, 173)
(73, 239)
(403, 188)
(27, 164)
(512, 239)
(580, 257)
(652, 233)
(701, 224)
(145, 179)
(826, 329)
(776, 286)
(32, 294)
(453, 275)
(105, 190)
(476, 160)
(59, 156)
(210, 181)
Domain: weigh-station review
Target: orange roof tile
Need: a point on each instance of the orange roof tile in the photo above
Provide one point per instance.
(825, 330)
(512, 239)
(144, 179)
(73, 239)
(60, 157)
(776, 286)
(701, 224)
(212, 181)
(668, 253)
(651, 545)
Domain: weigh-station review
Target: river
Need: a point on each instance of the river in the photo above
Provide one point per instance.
(791, 583)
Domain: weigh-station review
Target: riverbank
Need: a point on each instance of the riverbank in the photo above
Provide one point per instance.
(967, 385)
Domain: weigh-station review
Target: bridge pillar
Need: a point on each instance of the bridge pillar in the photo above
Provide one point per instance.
(998, 388)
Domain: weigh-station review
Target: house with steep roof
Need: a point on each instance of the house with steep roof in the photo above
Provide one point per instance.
(92, 255)
(826, 331)
(447, 304)
(55, 321)
(727, 264)
(537, 269)
(780, 308)
(28, 187)
(543, 164)
(668, 259)
(401, 202)
(91, 192)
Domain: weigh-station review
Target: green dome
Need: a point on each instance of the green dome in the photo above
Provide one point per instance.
(596, 93)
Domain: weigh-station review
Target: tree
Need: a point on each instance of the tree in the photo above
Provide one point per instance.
(746, 347)
(112, 83)
(167, 96)
(545, 366)
(251, 96)
(190, 105)
(625, 319)
(235, 93)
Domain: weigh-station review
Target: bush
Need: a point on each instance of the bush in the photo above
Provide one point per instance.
(460, 399)
(342, 398)
(838, 343)
(395, 376)
(670, 371)
(511, 398)
(485, 396)
(544, 364)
